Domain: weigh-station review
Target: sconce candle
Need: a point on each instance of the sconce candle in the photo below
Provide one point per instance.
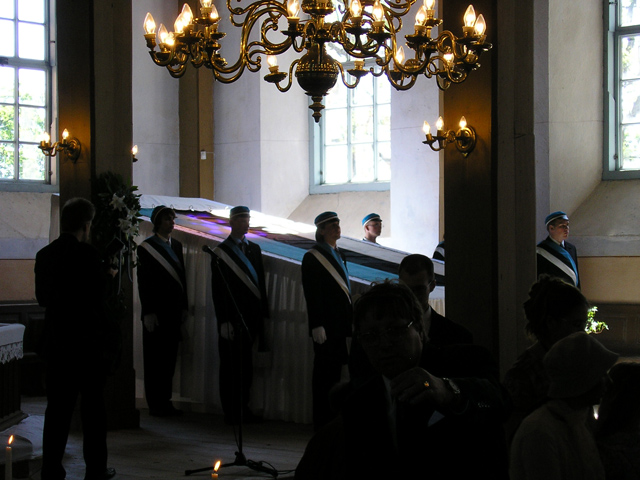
(214, 475)
(8, 460)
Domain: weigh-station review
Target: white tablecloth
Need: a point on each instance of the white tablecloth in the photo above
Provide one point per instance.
(11, 335)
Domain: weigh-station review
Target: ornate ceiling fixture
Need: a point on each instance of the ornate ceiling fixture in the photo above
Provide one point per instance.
(367, 30)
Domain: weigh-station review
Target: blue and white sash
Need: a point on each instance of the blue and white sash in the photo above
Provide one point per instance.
(250, 281)
(557, 262)
(332, 271)
(148, 246)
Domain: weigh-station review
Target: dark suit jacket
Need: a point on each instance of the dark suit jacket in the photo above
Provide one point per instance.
(71, 284)
(360, 443)
(328, 305)
(252, 309)
(160, 292)
(547, 267)
(445, 332)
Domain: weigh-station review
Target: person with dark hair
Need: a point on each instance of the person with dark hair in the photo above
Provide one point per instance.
(71, 282)
(416, 272)
(162, 286)
(555, 255)
(554, 442)
(618, 426)
(240, 299)
(554, 310)
(327, 291)
(429, 410)
(372, 225)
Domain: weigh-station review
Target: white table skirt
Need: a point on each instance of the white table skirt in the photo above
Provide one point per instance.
(11, 336)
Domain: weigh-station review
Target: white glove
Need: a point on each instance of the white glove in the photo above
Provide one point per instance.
(319, 335)
(150, 321)
(226, 331)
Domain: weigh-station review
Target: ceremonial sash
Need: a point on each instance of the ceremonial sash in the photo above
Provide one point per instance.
(440, 250)
(332, 271)
(235, 268)
(555, 261)
(162, 261)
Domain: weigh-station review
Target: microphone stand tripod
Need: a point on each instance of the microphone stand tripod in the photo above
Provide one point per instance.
(240, 460)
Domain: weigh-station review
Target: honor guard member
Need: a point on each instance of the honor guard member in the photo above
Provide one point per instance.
(240, 300)
(162, 287)
(327, 290)
(438, 253)
(556, 256)
(372, 225)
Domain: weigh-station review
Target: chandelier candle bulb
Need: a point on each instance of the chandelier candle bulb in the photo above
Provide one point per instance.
(8, 460)
(469, 20)
(355, 7)
(439, 125)
(359, 63)
(378, 15)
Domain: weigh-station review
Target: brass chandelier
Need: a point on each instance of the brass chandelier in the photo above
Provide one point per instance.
(367, 30)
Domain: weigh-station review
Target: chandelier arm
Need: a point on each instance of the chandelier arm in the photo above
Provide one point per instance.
(290, 77)
(343, 76)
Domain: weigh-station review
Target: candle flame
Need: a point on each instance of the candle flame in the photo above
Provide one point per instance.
(10, 440)
(216, 466)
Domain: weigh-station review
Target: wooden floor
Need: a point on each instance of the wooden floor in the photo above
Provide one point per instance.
(164, 448)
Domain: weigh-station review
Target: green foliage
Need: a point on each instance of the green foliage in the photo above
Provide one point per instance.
(594, 326)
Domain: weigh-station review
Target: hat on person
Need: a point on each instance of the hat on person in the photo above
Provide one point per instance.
(155, 214)
(325, 217)
(239, 210)
(369, 218)
(552, 216)
(576, 364)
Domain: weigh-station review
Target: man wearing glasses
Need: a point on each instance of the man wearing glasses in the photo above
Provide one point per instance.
(428, 411)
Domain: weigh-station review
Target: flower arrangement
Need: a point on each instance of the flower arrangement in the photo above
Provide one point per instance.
(594, 326)
(117, 219)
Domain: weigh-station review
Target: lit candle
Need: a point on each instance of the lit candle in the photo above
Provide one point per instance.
(214, 475)
(8, 465)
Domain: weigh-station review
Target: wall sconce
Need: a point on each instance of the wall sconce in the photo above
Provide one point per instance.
(69, 146)
(134, 152)
(464, 138)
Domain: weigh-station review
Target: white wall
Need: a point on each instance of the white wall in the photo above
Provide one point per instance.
(155, 107)
(576, 112)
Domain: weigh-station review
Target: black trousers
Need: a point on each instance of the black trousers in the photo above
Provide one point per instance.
(65, 382)
(160, 353)
(327, 369)
(236, 374)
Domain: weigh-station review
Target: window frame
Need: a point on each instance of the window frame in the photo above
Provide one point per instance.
(46, 185)
(611, 133)
(317, 153)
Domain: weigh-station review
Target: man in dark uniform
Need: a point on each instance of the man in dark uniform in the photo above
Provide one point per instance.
(163, 296)
(327, 290)
(416, 272)
(71, 283)
(372, 225)
(556, 256)
(240, 299)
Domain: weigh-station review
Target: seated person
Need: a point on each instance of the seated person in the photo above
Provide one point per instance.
(554, 442)
(618, 427)
(554, 310)
(428, 410)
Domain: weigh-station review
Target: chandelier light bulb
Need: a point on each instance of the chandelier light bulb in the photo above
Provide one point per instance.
(439, 123)
(480, 25)
(149, 24)
(378, 11)
(356, 8)
(187, 14)
(429, 4)
(421, 16)
(463, 123)
(134, 150)
(214, 13)
(426, 128)
(469, 17)
(293, 8)
(179, 24)
(171, 39)
(46, 138)
(399, 56)
(272, 60)
(448, 57)
(163, 34)
(205, 3)
(65, 134)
